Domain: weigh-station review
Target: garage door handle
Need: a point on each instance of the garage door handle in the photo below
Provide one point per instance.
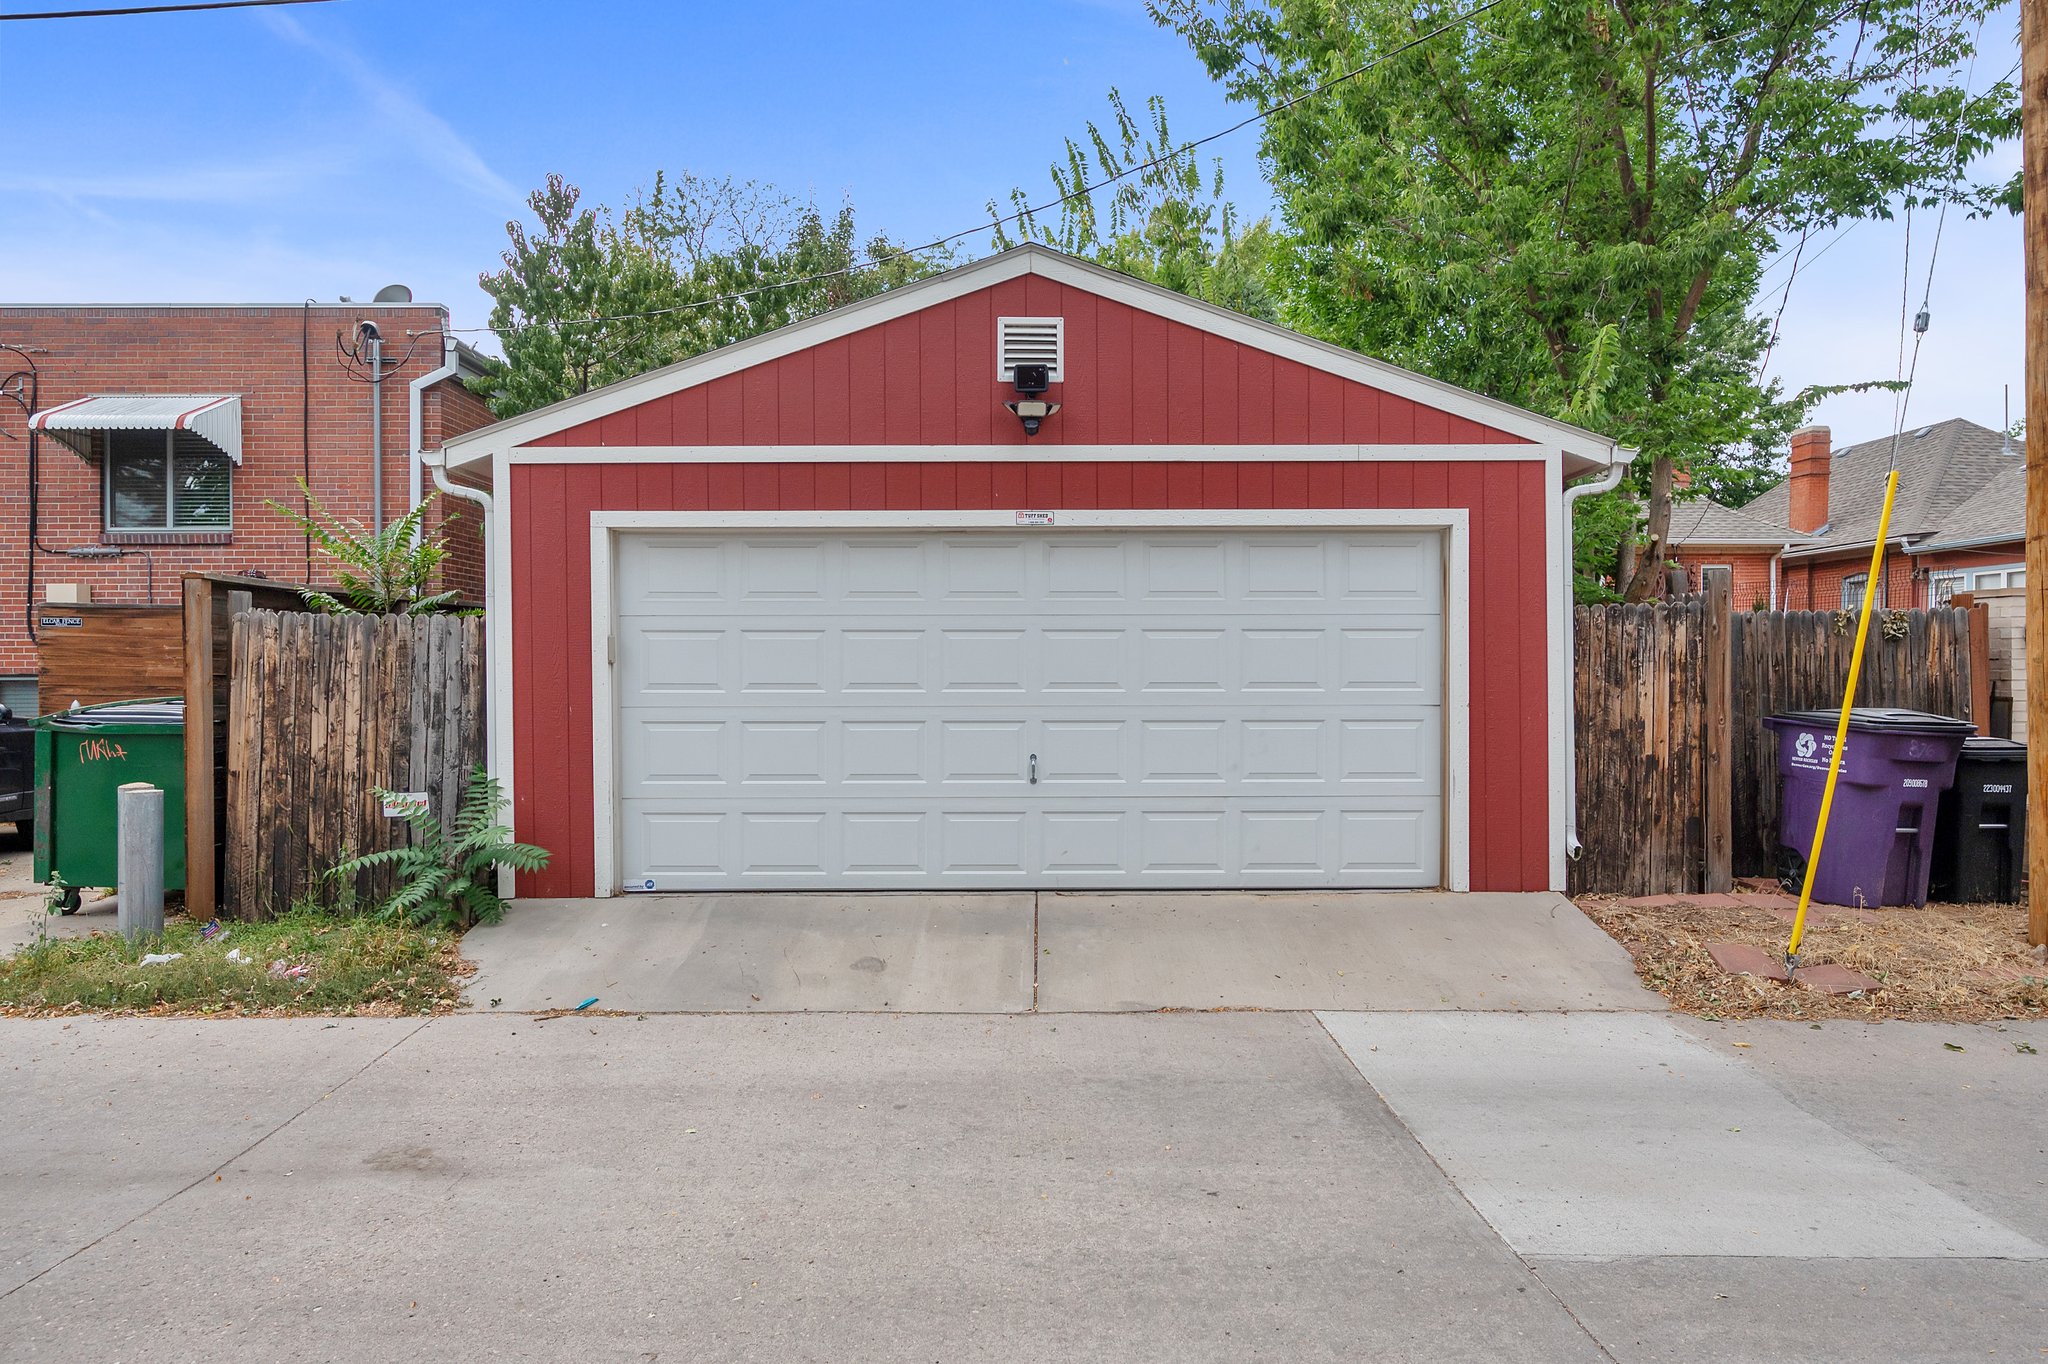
(1034, 769)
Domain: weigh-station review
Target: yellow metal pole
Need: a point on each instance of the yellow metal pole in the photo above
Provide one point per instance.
(1827, 795)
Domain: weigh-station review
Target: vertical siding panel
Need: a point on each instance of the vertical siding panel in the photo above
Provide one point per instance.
(799, 380)
(974, 367)
(1080, 422)
(1432, 485)
(1432, 427)
(1362, 407)
(1361, 484)
(1219, 390)
(533, 741)
(1325, 408)
(1078, 486)
(902, 403)
(1043, 297)
(1290, 481)
(796, 486)
(832, 392)
(728, 487)
(867, 377)
(1497, 540)
(573, 652)
(870, 492)
(1219, 486)
(1113, 485)
(619, 428)
(761, 493)
(657, 421)
(1325, 484)
(937, 354)
(653, 486)
(1151, 380)
(1397, 486)
(692, 420)
(1148, 484)
(1254, 396)
(1113, 364)
(1533, 724)
(728, 422)
(900, 487)
(1463, 431)
(1006, 486)
(834, 487)
(1397, 420)
(761, 405)
(1042, 485)
(1187, 407)
(692, 487)
(1255, 483)
(973, 483)
(1183, 484)
(1290, 403)
(940, 492)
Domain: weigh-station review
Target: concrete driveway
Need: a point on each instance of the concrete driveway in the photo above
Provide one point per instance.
(1123, 1186)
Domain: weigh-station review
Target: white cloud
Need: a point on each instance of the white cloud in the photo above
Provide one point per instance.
(402, 116)
(238, 184)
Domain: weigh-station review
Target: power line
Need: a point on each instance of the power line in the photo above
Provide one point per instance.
(1023, 214)
(154, 9)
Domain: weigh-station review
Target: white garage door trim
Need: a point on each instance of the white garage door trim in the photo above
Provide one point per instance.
(606, 526)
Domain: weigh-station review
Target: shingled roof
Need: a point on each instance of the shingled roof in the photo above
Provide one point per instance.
(1957, 481)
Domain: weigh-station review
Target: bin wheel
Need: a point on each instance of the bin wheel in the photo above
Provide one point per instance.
(1791, 869)
(70, 902)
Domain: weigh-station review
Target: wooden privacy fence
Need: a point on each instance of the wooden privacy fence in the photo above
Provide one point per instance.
(1677, 776)
(322, 711)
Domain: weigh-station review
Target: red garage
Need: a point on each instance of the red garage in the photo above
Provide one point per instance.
(1247, 610)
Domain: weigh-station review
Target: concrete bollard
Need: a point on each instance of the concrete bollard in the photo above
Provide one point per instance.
(140, 861)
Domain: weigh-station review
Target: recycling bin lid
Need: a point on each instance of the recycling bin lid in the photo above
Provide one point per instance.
(157, 713)
(1988, 750)
(1875, 719)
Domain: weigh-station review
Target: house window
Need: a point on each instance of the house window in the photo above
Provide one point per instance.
(167, 480)
(1852, 591)
(1948, 582)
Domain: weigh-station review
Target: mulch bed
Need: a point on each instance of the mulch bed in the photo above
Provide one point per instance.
(1954, 963)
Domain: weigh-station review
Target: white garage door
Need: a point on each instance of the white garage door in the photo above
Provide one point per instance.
(1053, 708)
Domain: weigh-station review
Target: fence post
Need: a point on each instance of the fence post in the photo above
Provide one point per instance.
(1718, 647)
(1980, 666)
(139, 862)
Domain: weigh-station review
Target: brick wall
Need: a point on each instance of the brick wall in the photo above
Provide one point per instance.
(1749, 573)
(251, 351)
(1807, 585)
(452, 410)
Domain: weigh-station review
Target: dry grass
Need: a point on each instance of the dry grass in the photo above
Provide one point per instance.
(1961, 963)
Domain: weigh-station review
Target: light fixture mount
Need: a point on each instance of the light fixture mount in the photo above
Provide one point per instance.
(1030, 381)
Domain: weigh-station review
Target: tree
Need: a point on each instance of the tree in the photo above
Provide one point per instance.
(1165, 222)
(593, 296)
(1567, 205)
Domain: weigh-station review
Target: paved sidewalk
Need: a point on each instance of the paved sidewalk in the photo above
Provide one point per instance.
(1157, 1186)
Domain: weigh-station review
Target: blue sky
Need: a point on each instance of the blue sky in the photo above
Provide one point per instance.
(330, 149)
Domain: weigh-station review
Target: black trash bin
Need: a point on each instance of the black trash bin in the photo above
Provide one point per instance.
(1980, 836)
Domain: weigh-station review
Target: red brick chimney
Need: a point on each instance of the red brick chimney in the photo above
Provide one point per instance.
(1811, 448)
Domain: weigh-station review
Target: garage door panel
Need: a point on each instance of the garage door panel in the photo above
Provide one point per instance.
(1203, 709)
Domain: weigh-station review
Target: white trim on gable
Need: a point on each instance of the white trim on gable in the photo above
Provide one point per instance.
(1022, 454)
(1581, 449)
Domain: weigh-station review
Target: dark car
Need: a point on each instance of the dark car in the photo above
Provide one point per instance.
(17, 771)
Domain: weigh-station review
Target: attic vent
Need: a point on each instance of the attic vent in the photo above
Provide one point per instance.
(1030, 341)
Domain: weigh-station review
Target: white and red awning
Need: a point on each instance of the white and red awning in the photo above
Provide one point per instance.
(214, 417)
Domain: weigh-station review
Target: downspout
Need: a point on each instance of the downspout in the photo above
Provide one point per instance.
(1606, 483)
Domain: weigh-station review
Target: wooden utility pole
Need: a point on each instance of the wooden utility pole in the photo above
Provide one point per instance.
(2034, 172)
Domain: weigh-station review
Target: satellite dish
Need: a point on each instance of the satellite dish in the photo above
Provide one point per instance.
(393, 293)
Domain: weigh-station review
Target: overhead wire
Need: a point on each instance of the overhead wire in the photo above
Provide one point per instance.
(125, 11)
(1021, 215)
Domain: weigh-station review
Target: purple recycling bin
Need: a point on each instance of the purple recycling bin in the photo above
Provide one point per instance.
(1881, 830)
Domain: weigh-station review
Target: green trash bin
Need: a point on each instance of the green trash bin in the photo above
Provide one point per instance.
(83, 757)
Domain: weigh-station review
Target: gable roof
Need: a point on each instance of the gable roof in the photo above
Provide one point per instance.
(1583, 450)
(1958, 481)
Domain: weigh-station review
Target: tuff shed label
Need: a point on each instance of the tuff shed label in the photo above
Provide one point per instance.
(1031, 518)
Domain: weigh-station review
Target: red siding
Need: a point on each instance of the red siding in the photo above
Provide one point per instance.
(929, 378)
(550, 558)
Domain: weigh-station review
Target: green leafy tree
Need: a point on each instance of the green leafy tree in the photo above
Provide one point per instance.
(1166, 222)
(1567, 205)
(376, 573)
(592, 296)
(448, 878)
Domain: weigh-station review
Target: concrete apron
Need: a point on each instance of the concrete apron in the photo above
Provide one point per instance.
(1051, 952)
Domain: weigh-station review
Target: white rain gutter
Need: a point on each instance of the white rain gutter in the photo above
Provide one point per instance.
(1606, 483)
(450, 368)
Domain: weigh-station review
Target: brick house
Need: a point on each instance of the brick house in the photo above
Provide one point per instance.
(1957, 523)
(161, 434)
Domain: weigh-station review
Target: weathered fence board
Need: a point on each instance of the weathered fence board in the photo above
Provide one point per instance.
(323, 711)
(1650, 789)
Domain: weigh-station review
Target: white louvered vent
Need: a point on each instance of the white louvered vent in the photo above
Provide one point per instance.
(1030, 341)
